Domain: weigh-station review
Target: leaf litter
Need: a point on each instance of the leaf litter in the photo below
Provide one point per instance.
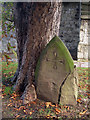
(13, 106)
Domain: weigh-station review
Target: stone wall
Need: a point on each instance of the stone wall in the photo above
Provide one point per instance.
(70, 26)
(89, 40)
(84, 44)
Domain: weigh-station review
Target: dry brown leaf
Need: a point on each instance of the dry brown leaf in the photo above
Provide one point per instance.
(57, 110)
(29, 104)
(30, 113)
(82, 113)
(56, 105)
(10, 104)
(48, 116)
(17, 116)
(22, 107)
(78, 100)
(13, 97)
(47, 104)
(33, 102)
(52, 105)
(2, 96)
(65, 106)
(25, 111)
(68, 108)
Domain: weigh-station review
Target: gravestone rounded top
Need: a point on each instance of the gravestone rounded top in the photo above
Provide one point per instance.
(54, 65)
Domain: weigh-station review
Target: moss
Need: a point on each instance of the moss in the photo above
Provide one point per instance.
(63, 53)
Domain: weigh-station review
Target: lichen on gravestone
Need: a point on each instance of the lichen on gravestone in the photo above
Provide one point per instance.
(53, 68)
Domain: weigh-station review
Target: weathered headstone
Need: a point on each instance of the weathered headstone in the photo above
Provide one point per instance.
(54, 68)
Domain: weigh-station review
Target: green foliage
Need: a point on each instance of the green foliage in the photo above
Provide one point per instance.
(15, 54)
(7, 56)
(8, 70)
(7, 17)
(46, 112)
(8, 90)
(83, 82)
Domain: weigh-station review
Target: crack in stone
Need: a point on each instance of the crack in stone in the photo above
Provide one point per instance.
(61, 88)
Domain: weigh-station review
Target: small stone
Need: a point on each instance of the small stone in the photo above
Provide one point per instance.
(29, 94)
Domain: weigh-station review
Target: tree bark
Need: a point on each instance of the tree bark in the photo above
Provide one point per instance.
(36, 24)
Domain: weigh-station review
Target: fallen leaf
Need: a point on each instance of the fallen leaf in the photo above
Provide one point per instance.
(30, 113)
(65, 106)
(22, 107)
(68, 108)
(52, 105)
(13, 97)
(82, 113)
(11, 36)
(5, 35)
(14, 94)
(17, 116)
(33, 102)
(47, 104)
(15, 108)
(88, 94)
(57, 110)
(29, 105)
(2, 96)
(10, 104)
(78, 100)
(48, 116)
(57, 105)
(25, 111)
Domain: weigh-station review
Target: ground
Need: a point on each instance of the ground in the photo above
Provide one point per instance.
(13, 107)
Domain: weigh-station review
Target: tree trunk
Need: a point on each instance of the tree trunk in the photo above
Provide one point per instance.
(36, 24)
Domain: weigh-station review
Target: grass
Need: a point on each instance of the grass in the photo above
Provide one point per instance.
(83, 74)
(8, 71)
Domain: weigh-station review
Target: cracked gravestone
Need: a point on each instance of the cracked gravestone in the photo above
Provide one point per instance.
(55, 74)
